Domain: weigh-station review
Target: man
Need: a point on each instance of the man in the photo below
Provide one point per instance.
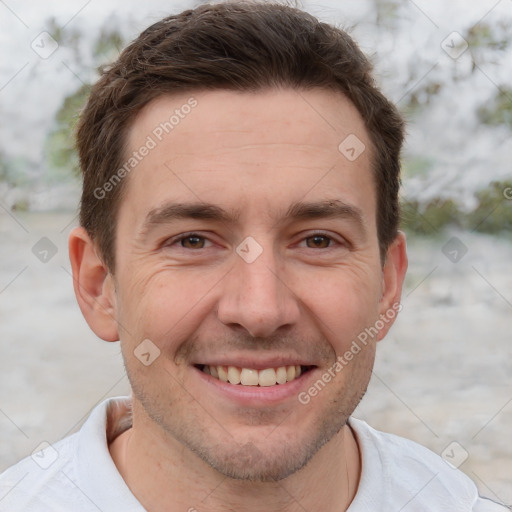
(239, 235)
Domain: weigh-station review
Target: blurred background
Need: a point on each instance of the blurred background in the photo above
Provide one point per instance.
(443, 376)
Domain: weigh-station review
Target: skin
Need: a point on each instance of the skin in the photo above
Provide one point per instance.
(305, 297)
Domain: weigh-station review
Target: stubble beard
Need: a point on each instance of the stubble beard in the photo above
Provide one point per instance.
(272, 458)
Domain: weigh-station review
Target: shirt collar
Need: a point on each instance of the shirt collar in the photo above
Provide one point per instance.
(98, 476)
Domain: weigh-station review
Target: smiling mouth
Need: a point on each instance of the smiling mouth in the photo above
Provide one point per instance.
(250, 377)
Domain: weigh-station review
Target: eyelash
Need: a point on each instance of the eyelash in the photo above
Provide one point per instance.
(184, 236)
(333, 242)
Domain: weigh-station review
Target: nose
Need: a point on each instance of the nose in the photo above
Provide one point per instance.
(257, 297)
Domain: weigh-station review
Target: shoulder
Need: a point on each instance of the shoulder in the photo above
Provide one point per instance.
(397, 472)
(43, 481)
(76, 473)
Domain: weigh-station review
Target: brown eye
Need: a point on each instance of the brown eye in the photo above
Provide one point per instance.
(318, 242)
(193, 242)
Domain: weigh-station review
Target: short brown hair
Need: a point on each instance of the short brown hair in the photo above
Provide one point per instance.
(238, 46)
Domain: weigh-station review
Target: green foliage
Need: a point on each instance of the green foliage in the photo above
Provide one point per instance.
(65, 36)
(61, 155)
(21, 205)
(494, 211)
(499, 111)
(14, 171)
(421, 96)
(483, 35)
(430, 218)
(55, 30)
(108, 45)
(417, 165)
(493, 214)
(3, 168)
(387, 12)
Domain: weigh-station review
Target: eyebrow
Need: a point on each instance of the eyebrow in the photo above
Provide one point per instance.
(173, 211)
(332, 208)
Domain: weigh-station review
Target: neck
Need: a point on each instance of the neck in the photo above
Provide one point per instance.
(161, 471)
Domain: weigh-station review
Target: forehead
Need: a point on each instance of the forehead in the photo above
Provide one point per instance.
(270, 146)
(319, 114)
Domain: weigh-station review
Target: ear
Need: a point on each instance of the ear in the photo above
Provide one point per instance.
(93, 285)
(393, 274)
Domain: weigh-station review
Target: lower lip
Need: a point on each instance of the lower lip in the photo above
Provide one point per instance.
(257, 395)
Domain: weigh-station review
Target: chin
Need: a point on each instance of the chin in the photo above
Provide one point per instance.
(270, 459)
(250, 464)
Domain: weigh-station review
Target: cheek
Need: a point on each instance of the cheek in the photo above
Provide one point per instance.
(163, 305)
(342, 303)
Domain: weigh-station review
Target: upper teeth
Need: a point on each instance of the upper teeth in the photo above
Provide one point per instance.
(251, 377)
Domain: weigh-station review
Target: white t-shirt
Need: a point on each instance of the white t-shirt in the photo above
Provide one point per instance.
(77, 474)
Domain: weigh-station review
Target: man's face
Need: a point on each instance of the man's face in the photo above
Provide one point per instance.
(263, 169)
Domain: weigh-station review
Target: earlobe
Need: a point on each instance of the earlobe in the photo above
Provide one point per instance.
(393, 275)
(93, 285)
